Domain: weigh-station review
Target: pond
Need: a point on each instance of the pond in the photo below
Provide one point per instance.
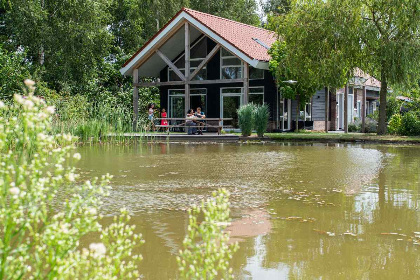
(300, 211)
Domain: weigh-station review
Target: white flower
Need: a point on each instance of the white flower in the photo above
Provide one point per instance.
(28, 104)
(2, 104)
(67, 137)
(50, 109)
(42, 136)
(29, 83)
(98, 248)
(77, 156)
(14, 191)
(42, 116)
(19, 99)
(92, 211)
(71, 177)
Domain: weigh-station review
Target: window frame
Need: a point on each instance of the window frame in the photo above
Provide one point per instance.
(241, 66)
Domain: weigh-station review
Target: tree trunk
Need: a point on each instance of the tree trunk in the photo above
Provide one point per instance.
(297, 113)
(382, 103)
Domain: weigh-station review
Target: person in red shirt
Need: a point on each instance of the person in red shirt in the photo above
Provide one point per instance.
(164, 115)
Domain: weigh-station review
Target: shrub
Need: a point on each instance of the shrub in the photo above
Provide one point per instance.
(261, 115)
(410, 124)
(246, 119)
(355, 126)
(45, 212)
(206, 251)
(371, 125)
(395, 124)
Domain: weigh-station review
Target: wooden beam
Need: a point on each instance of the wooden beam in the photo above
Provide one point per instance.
(187, 66)
(171, 65)
(327, 107)
(363, 113)
(195, 82)
(135, 98)
(221, 81)
(246, 83)
(346, 108)
(205, 61)
(159, 84)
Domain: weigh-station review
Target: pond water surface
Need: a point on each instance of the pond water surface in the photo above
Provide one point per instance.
(300, 211)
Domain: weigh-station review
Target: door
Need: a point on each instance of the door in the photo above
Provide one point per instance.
(230, 103)
(285, 109)
(340, 111)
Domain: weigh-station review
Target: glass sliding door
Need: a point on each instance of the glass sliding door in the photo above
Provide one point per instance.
(176, 102)
(198, 98)
(284, 113)
(230, 101)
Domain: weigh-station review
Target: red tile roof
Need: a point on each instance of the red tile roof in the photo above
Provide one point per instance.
(240, 35)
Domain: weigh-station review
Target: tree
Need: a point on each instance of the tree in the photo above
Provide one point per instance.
(65, 39)
(321, 40)
(276, 6)
(390, 35)
(293, 80)
(14, 69)
(244, 11)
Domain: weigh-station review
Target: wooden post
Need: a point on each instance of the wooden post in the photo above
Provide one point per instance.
(363, 110)
(327, 107)
(346, 108)
(187, 67)
(246, 83)
(135, 98)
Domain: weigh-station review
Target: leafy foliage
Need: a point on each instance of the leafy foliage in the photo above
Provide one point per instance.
(206, 253)
(45, 211)
(13, 70)
(246, 119)
(261, 115)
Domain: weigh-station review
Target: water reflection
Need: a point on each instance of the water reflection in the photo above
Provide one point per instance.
(358, 205)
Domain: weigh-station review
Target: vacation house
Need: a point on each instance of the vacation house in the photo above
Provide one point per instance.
(201, 60)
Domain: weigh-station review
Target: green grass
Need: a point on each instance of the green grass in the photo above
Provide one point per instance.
(343, 137)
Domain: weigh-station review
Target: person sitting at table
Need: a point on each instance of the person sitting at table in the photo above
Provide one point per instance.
(200, 114)
(190, 122)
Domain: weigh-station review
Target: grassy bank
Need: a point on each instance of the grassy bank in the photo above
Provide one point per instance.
(342, 137)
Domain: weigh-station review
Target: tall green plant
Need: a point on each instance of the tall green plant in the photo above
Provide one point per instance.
(206, 253)
(246, 119)
(44, 210)
(261, 115)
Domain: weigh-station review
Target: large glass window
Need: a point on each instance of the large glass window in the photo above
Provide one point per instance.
(255, 73)
(231, 67)
(198, 52)
(256, 95)
(176, 101)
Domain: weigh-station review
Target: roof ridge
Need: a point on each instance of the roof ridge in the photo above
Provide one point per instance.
(241, 23)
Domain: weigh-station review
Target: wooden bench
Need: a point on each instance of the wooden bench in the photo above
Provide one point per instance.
(219, 127)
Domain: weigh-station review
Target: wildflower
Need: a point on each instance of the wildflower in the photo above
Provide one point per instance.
(67, 137)
(14, 190)
(98, 248)
(29, 83)
(2, 104)
(71, 177)
(92, 211)
(19, 99)
(50, 109)
(28, 104)
(42, 116)
(77, 156)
